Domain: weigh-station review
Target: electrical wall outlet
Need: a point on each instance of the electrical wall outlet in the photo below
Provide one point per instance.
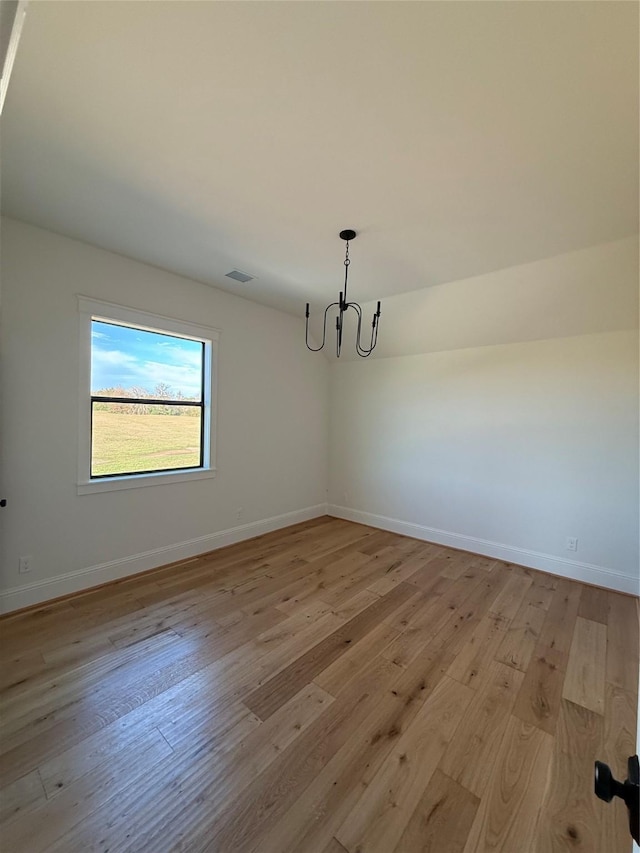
(239, 512)
(24, 564)
(572, 543)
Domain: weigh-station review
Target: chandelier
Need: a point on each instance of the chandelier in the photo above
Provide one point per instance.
(343, 306)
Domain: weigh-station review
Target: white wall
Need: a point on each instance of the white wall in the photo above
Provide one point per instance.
(272, 423)
(504, 449)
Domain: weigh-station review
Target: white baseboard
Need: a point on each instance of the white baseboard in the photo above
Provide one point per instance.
(81, 579)
(585, 572)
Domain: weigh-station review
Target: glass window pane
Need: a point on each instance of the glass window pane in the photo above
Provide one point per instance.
(131, 437)
(129, 362)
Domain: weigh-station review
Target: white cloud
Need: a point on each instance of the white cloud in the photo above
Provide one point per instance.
(112, 357)
(191, 357)
(185, 379)
(111, 368)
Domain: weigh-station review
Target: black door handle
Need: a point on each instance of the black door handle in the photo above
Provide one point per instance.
(607, 787)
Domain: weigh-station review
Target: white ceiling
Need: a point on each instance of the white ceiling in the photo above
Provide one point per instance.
(457, 138)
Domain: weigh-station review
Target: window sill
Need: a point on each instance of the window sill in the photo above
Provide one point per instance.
(136, 481)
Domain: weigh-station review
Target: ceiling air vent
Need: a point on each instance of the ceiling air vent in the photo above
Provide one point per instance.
(238, 275)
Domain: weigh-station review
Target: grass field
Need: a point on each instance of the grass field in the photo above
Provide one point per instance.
(130, 443)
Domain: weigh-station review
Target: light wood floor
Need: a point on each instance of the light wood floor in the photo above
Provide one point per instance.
(325, 688)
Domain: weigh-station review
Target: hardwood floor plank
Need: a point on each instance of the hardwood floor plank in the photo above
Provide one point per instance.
(541, 592)
(486, 564)
(115, 820)
(469, 758)
(507, 816)
(256, 811)
(429, 580)
(40, 829)
(55, 680)
(321, 809)
(557, 631)
(394, 576)
(594, 604)
(40, 702)
(62, 771)
(455, 632)
(321, 574)
(446, 563)
(401, 618)
(20, 795)
(442, 819)
(325, 574)
(89, 713)
(379, 539)
(210, 723)
(585, 676)
(16, 629)
(267, 699)
(538, 701)
(333, 846)
(521, 637)
(292, 624)
(471, 665)
(15, 671)
(338, 674)
(350, 535)
(221, 768)
(457, 565)
(509, 599)
(569, 813)
(378, 819)
(622, 641)
(189, 707)
(419, 680)
(450, 616)
(275, 653)
(356, 604)
(416, 637)
(378, 565)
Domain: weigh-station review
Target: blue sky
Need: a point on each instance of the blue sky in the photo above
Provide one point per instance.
(121, 356)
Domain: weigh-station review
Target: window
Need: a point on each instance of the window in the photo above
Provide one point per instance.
(146, 398)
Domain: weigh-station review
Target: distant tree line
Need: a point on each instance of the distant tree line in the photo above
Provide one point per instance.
(162, 391)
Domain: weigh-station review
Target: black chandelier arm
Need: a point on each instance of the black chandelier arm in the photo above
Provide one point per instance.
(375, 325)
(363, 351)
(346, 274)
(324, 328)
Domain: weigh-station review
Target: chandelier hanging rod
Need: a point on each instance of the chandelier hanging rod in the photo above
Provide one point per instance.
(343, 306)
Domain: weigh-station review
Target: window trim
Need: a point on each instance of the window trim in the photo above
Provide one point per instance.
(92, 309)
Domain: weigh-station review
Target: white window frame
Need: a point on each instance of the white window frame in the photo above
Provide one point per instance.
(93, 309)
